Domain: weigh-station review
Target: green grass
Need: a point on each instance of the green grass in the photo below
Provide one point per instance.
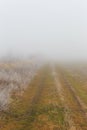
(81, 92)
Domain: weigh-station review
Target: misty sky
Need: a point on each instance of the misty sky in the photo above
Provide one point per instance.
(57, 28)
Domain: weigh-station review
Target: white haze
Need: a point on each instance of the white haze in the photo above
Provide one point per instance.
(54, 28)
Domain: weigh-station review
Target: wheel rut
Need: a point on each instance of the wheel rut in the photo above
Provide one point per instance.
(60, 91)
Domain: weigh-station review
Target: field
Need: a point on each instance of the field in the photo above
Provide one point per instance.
(35, 96)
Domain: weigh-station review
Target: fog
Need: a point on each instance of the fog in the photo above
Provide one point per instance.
(56, 29)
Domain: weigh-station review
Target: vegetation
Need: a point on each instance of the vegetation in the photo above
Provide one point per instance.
(51, 100)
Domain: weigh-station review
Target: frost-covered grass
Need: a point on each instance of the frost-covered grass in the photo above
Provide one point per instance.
(15, 76)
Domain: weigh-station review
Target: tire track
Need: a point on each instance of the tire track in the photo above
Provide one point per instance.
(33, 103)
(76, 99)
(62, 98)
(31, 114)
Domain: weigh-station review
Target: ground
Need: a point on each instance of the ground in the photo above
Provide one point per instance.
(51, 101)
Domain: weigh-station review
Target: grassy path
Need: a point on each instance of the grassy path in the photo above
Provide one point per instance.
(48, 103)
(73, 102)
(60, 89)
